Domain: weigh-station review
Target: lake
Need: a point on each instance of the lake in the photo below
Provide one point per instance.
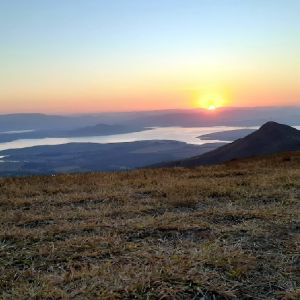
(181, 134)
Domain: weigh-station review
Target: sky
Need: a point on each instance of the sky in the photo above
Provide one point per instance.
(72, 56)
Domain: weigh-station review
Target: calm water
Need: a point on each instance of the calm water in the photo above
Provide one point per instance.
(15, 131)
(182, 134)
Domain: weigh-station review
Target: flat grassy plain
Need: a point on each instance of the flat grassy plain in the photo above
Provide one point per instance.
(230, 231)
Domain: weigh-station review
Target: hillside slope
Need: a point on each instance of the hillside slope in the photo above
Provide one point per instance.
(271, 138)
(222, 232)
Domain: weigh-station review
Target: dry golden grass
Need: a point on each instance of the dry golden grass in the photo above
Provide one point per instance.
(221, 232)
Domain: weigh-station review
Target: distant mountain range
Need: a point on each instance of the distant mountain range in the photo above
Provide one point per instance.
(102, 129)
(175, 117)
(271, 138)
(220, 117)
(229, 135)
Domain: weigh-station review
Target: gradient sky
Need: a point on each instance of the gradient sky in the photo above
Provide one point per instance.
(116, 55)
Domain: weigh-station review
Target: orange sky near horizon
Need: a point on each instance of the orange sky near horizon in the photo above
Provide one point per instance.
(131, 55)
(91, 99)
(66, 105)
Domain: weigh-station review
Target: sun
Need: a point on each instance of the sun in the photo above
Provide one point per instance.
(210, 101)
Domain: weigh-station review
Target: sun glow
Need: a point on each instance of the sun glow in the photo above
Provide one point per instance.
(211, 101)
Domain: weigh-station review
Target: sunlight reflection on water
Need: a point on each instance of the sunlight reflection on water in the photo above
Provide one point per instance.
(181, 134)
(16, 131)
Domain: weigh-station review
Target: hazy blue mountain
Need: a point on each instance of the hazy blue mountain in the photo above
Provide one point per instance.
(34, 122)
(187, 117)
(229, 135)
(89, 157)
(221, 117)
(102, 129)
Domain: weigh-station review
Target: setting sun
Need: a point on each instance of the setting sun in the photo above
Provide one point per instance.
(210, 101)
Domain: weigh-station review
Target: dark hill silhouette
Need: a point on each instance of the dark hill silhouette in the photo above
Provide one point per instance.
(269, 139)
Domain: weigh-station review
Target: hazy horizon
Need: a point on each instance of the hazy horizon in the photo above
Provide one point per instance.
(217, 110)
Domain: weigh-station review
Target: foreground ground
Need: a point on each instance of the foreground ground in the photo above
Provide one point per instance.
(221, 232)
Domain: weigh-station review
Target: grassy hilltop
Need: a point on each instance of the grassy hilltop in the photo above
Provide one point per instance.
(221, 232)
